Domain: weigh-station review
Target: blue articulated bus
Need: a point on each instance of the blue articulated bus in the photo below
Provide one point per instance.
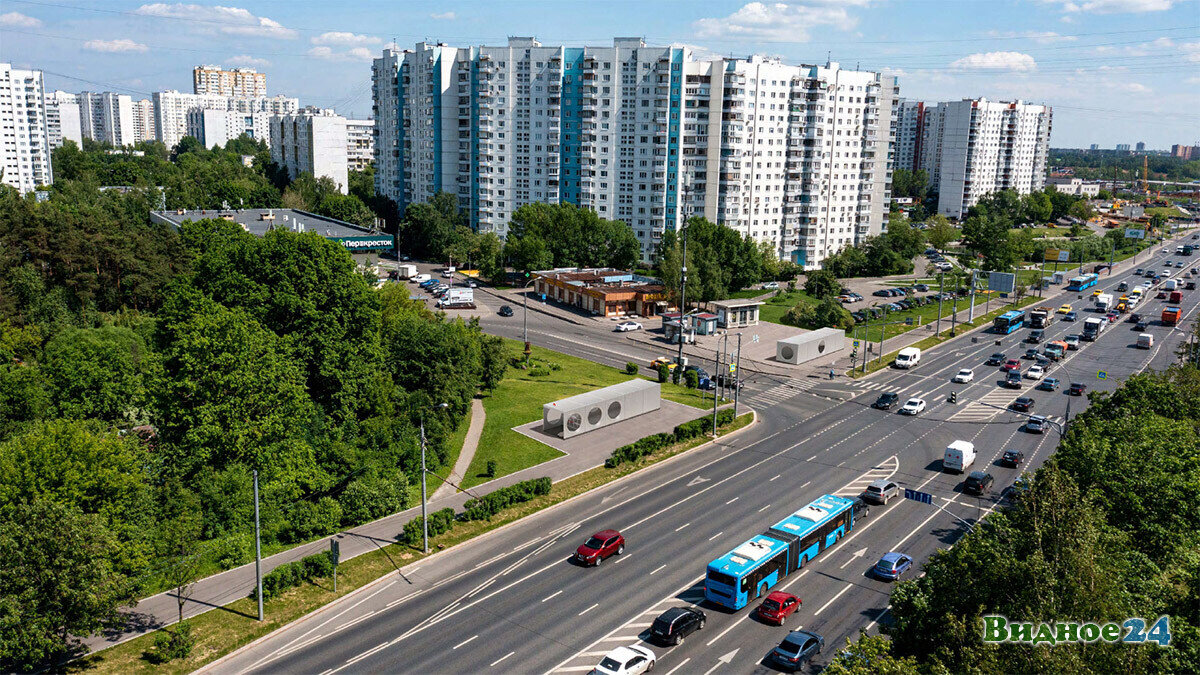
(1008, 322)
(753, 568)
(1082, 282)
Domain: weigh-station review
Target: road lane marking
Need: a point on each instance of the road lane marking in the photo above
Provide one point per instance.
(658, 569)
(588, 609)
(716, 535)
(722, 633)
(764, 508)
(877, 618)
(558, 592)
(682, 526)
(623, 557)
(811, 458)
(731, 501)
(493, 663)
(464, 642)
(681, 664)
(805, 485)
(776, 476)
(365, 654)
(827, 604)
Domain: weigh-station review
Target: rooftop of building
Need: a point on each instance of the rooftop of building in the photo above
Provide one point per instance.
(736, 302)
(601, 279)
(260, 221)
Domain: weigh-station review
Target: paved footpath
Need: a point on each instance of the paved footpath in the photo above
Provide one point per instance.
(470, 443)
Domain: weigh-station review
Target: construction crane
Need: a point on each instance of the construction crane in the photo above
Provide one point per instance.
(1146, 174)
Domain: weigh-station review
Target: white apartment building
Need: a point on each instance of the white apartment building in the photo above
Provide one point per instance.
(107, 117)
(360, 144)
(218, 127)
(1073, 186)
(144, 128)
(172, 109)
(311, 141)
(798, 156)
(62, 119)
(236, 83)
(973, 147)
(909, 122)
(24, 135)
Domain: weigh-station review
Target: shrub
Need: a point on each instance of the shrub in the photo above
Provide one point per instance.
(663, 373)
(233, 550)
(675, 375)
(372, 496)
(439, 522)
(691, 378)
(173, 642)
(631, 368)
(538, 371)
(491, 468)
(289, 575)
(492, 503)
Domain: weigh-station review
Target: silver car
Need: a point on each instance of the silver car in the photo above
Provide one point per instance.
(881, 491)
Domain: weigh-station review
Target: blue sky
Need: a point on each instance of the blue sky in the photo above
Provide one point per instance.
(1116, 71)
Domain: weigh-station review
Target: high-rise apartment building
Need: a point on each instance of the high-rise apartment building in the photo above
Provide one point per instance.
(24, 136)
(311, 141)
(172, 109)
(237, 83)
(62, 119)
(144, 128)
(360, 144)
(1123, 147)
(218, 127)
(972, 147)
(107, 117)
(1185, 151)
(798, 156)
(1141, 146)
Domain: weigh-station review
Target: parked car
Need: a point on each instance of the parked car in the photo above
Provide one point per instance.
(1012, 457)
(882, 293)
(892, 565)
(631, 660)
(964, 376)
(922, 287)
(978, 483)
(1023, 404)
(797, 649)
(881, 491)
(505, 310)
(886, 401)
(675, 624)
(1036, 424)
(997, 359)
(1048, 384)
(778, 606)
(771, 286)
(1077, 389)
(914, 406)
(603, 544)
(626, 326)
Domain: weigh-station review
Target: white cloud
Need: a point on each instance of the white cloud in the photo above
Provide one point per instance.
(119, 46)
(1191, 51)
(341, 38)
(227, 20)
(786, 22)
(1113, 6)
(247, 60)
(353, 54)
(894, 72)
(444, 16)
(19, 19)
(996, 61)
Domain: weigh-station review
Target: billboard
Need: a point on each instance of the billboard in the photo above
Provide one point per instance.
(1001, 282)
(1057, 255)
(374, 243)
(1131, 233)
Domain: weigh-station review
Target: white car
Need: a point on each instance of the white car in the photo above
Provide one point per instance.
(964, 376)
(631, 660)
(1147, 284)
(771, 286)
(1072, 342)
(1034, 373)
(626, 326)
(913, 406)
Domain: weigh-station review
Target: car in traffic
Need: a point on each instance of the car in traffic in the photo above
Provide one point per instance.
(505, 310)
(886, 401)
(1034, 373)
(913, 406)
(1035, 336)
(1023, 404)
(996, 359)
(1064, 309)
(964, 376)
(891, 566)
(630, 660)
(1049, 384)
(675, 624)
(626, 326)
(1140, 326)
(1030, 354)
(1077, 389)
(1013, 379)
(880, 491)
(778, 606)
(1036, 424)
(1112, 316)
(797, 649)
(1070, 316)
(603, 544)
(978, 483)
(1012, 457)
(1072, 342)
(1012, 365)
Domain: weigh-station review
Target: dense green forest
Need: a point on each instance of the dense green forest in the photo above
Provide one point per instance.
(1108, 528)
(145, 373)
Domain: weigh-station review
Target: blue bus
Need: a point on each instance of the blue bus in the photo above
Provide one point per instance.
(1008, 322)
(1082, 282)
(753, 568)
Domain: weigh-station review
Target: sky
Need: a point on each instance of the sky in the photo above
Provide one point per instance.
(1115, 71)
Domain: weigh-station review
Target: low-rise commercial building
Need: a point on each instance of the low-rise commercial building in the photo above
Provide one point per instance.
(736, 313)
(1073, 186)
(603, 291)
(261, 221)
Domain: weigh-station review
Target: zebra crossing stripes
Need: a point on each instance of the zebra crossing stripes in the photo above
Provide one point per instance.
(886, 469)
(784, 391)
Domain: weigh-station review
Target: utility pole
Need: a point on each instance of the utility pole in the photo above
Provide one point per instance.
(682, 289)
(954, 310)
(971, 309)
(716, 397)
(882, 334)
(257, 549)
(941, 291)
(737, 376)
(424, 501)
(525, 323)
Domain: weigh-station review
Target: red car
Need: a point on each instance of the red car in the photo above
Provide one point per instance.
(603, 544)
(1011, 365)
(778, 606)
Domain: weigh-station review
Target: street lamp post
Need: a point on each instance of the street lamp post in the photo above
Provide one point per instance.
(687, 191)
(525, 321)
(424, 500)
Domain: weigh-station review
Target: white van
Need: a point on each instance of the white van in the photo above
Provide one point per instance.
(1145, 341)
(419, 278)
(959, 456)
(1171, 285)
(908, 357)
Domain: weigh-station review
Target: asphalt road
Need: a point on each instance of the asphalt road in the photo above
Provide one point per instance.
(512, 601)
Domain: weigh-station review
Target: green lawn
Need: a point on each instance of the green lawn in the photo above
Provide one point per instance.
(519, 398)
(924, 315)
(749, 293)
(1168, 211)
(779, 305)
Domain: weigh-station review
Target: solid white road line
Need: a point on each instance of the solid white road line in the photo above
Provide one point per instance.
(848, 587)
(367, 653)
(657, 569)
(493, 663)
(716, 535)
(722, 633)
(464, 642)
(558, 592)
(682, 526)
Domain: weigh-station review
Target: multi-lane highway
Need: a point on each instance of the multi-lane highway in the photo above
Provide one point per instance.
(512, 601)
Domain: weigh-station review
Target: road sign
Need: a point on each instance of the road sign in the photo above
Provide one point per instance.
(335, 550)
(754, 338)
(856, 344)
(1103, 375)
(1131, 233)
(1002, 282)
(923, 497)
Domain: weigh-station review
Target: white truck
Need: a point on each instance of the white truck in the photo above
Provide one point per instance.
(1104, 302)
(1145, 341)
(1171, 285)
(1092, 328)
(405, 271)
(458, 298)
(960, 455)
(908, 357)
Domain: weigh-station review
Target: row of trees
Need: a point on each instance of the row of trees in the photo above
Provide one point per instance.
(987, 230)
(1108, 165)
(145, 373)
(887, 254)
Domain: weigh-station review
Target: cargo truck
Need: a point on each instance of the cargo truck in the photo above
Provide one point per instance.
(458, 298)
(1092, 328)
(1170, 316)
(1041, 317)
(1104, 302)
(406, 271)
(1175, 297)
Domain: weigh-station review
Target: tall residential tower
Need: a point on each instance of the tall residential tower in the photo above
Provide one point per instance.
(24, 134)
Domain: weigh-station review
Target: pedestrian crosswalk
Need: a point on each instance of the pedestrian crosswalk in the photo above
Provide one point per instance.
(886, 469)
(991, 404)
(784, 391)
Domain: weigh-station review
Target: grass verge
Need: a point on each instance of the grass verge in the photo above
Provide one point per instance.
(222, 631)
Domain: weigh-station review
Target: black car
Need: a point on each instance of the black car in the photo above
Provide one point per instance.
(978, 483)
(1035, 336)
(922, 287)
(797, 649)
(1077, 389)
(1013, 380)
(1030, 354)
(1012, 458)
(1023, 404)
(997, 359)
(1141, 325)
(505, 310)
(673, 625)
(1135, 317)
(886, 401)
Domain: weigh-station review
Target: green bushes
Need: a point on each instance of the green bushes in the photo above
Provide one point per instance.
(652, 444)
(631, 368)
(173, 642)
(439, 522)
(490, 504)
(290, 575)
(691, 379)
(663, 373)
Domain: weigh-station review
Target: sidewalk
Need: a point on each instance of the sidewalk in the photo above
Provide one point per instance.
(470, 443)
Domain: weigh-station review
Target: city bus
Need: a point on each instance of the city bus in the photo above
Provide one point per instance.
(1082, 282)
(753, 568)
(1008, 322)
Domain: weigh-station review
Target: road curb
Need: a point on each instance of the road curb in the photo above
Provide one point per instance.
(213, 666)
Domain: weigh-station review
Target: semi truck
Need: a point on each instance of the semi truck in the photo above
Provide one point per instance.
(1170, 316)
(1092, 328)
(1041, 317)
